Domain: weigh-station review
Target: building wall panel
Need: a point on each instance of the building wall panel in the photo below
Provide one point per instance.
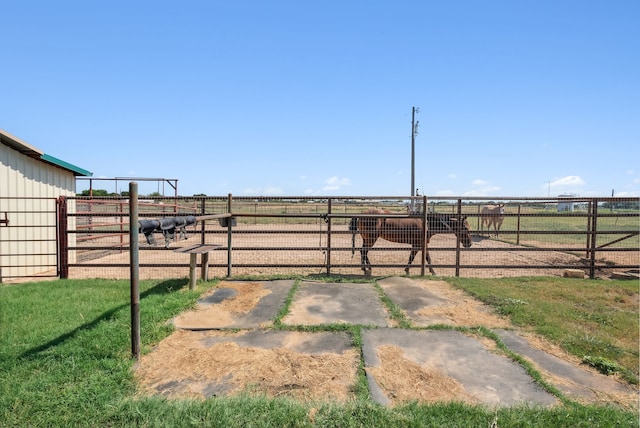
(28, 188)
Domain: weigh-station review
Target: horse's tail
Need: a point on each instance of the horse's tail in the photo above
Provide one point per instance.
(353, 228)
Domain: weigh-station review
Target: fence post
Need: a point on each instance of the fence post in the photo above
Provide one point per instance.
(518, 225)
(63, 238)
(592, 233)
(202, 223)
(229, 222)
(457, 240)
(328, 219)
(423, 252)
(134, 270)
(589, 226)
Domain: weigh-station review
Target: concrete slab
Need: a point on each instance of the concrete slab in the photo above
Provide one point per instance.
(490, 378)
(285, 346)
(573, 381)
(317, 303)
(208, 309)
(304, 343)
(412, 297)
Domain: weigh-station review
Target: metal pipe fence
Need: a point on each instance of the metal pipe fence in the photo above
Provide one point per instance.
(28, 238)
(297, 235)
(311, 236)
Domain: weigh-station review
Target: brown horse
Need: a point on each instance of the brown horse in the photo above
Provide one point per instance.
(492, 215)
(405, 231)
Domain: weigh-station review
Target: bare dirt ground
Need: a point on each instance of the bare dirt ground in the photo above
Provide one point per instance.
(498, 254)
(317, 376)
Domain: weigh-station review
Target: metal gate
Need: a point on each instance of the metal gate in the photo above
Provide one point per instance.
(28, 238)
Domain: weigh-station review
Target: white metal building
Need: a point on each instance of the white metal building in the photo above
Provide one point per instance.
(30, 183)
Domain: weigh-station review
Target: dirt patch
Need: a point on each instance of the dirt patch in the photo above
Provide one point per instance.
(184, 366)
(252, 236)
(248, 294)
(403, 380)
(461, 309)
(626, 400)
(181, 359)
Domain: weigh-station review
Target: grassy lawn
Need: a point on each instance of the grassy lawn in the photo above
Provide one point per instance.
(65, 359)
(596, 320)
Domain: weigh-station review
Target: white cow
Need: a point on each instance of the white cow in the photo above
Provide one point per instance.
(492, 215)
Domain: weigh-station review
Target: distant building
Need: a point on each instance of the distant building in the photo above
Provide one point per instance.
(568, 205)
(30, 181)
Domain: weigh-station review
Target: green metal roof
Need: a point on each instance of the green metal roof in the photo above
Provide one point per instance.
(66, 165)
(35, 153)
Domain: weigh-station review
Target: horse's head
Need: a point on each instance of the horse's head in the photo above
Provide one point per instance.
(460, 227)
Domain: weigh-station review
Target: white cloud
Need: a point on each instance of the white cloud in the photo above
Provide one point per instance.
(632, 194)
(483, 191)
(636, 181)
(452, 176)
(273, 190)
(445, 193)
(268, 190)
(251, 191)
(335, 183)
(568, 181)
(474, 193)
(478, 182)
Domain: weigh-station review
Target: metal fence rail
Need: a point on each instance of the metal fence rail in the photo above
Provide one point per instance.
(79, 237)
(538, 236)
(28, 238)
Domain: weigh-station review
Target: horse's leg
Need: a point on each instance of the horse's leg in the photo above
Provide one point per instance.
(367, 243)
(428, 256)
(412, 255)
(364, 259)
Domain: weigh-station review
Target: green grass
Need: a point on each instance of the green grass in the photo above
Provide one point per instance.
(65, 361)
(597, 319)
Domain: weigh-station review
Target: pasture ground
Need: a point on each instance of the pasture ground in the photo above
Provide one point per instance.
(267, 338)
(499, 253)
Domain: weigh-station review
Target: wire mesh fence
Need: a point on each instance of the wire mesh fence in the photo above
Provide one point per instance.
(269, 236)
(28, 229)
(82, 237)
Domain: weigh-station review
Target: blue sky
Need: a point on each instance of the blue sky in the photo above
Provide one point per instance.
(296, 98)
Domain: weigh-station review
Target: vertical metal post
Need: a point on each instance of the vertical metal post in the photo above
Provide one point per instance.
(589, 221)
(592, 233)
(202, 223)
(229, 222)
(457, 240)
(328, 236)
(134, 270)
(518, 225)
(413, 155)
(423, 257)
(63, 238)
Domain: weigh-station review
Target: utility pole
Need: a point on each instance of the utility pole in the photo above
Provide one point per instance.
(414, 132)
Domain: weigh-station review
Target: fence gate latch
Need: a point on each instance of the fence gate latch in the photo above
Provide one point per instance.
(5, 220)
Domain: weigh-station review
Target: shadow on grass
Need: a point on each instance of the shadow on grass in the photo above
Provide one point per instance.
(164, 287)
